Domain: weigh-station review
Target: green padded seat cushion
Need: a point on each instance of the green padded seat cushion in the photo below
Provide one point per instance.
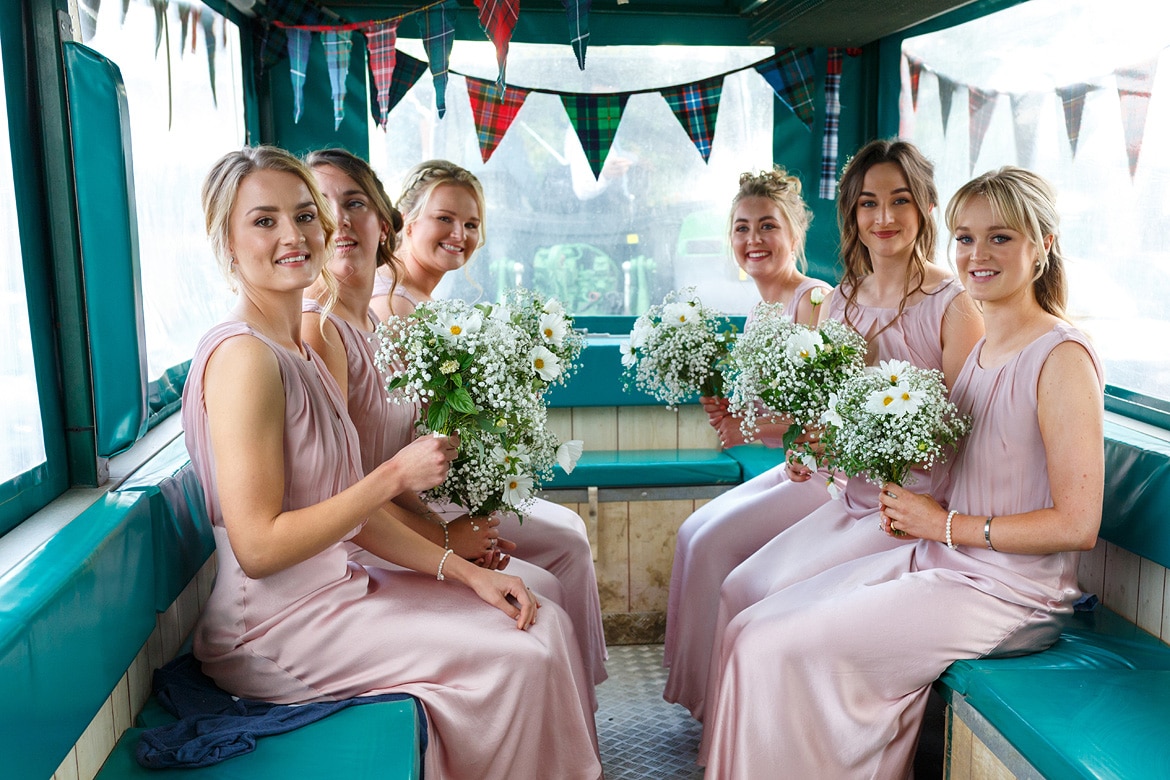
(1097, 640)
(755, 459)
(1082, 724)
(371, 740)
(648, 468)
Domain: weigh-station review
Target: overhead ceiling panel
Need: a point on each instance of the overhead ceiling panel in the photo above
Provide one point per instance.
(838, 22)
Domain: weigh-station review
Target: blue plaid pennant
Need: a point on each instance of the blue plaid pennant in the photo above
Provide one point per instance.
(791, 75)
(298, 62)
(338, 45)
(437, 27)
(697, 107)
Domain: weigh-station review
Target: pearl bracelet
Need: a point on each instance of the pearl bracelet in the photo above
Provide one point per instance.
(950, 516)
(442, 560)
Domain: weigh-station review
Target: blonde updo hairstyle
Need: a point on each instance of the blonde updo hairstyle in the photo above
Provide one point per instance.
(1024, 202)
(421, 182)
(783, 189)
(919, 174)
(222, 185)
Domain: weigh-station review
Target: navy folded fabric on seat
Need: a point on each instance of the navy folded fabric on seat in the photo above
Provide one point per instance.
(213, 725)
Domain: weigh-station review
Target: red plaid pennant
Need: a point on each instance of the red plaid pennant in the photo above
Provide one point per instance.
(380, 42)
(493, 111)
(1134, 85)
(498, 19)
(980, 105)
(914, 65)
(697, 107)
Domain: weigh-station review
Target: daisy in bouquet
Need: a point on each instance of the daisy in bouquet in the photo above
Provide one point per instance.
(478, 371)
(790, 370)
(677, 349)
(888, 419)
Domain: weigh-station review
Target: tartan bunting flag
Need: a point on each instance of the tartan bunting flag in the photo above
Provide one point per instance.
(338, 45)
(596, 119)
(697, 107)
(1025, 115)
(498, 20)
(436, 27)
(577, 12)
(382, 57)
(1072, 99)
(790, 74)
(298, 63)
(828, 185)
(914, 66)
(946, 91)
(184, 26)
(125, 9)
(493, 110)
(980, 107)
(160, 22)
(207, 22)
(407, 72)
(271, 38)
(1134, 85)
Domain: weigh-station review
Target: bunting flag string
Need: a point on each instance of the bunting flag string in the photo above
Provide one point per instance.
(1134, 85)
(791, 75)
(437, 29)
(493, 110)
(828, 186)
(498, 20)
(381, 40)
(697, 107)
(980, 106)
(577, 12)
(595, 119)
(298, 64)
(338, 45)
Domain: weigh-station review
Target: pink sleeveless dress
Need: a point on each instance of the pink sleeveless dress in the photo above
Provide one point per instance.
(719, 536)
(842, 663)
(501, 703)
(846, 528)
(551, 537)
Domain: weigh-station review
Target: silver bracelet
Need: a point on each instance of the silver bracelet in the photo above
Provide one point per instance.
(987, 532)
(442, 560)
(950, 516)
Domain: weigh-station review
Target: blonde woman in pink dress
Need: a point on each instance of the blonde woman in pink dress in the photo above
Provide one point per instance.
(292, 618)
(442, 207)
(843, 662)
(769, 223)
(909, 309)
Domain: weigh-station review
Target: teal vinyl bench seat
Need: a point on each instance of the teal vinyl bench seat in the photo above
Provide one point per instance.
(380, 740)
(649, 468)
(755, 459)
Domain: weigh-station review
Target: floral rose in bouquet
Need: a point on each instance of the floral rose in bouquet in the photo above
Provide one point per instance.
(677, 349)
(790, 370)
(889, 419)
(476, 372)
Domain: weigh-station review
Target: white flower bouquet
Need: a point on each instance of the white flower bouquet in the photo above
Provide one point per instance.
(552, 345)
(478, 372)
(886, 420)
(789, 369)
(677, 348)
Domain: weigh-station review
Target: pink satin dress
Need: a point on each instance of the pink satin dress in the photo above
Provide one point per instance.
(719, 536)
(501, 703)
(829, 677)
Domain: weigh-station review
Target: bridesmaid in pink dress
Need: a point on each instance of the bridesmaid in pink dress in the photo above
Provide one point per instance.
(842, 662)
(292, 618)
(442, 206)
(907, 308)
(769, 223)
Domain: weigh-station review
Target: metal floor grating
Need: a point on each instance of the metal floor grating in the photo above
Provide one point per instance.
(642, 737)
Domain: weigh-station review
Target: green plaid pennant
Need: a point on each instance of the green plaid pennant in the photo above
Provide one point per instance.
(596, 119)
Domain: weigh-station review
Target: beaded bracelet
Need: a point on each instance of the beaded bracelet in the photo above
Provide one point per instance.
(442, 560)
(950, 516)
(987, 532)
(446, 536)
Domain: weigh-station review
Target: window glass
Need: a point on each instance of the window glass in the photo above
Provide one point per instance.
(1115, 223)
(179, 126)
(656, 218)
(22, 441)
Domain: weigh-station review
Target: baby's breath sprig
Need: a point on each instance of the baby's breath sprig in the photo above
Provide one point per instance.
(789, 370)
(677, 349)
(889, 419)
(481, 371)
